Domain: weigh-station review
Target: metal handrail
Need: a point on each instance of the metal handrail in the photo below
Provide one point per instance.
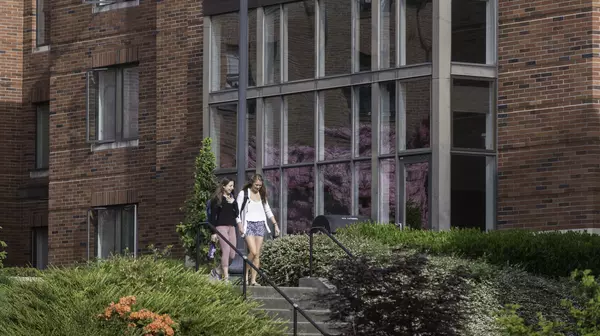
(297, 309)
(311, 232)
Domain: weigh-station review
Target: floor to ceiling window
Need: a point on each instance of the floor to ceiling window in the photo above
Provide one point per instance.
(339, 113)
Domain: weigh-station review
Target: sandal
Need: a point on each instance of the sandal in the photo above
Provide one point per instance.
(255, 284)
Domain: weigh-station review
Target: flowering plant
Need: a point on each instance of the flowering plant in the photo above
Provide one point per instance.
(144, 320)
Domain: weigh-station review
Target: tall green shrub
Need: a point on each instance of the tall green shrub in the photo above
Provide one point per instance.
(205, 183)
(2, 252)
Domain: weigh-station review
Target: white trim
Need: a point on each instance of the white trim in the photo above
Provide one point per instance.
(96, 8)
(115, 145)
(40, 49)
(34, 174)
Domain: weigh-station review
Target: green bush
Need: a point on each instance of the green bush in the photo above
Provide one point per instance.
(286, 260)
(20, 271)
(205, 183)
(553, 254)
(68, 301)
(2, 252)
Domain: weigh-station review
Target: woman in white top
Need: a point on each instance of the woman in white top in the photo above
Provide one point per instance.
(253, 217)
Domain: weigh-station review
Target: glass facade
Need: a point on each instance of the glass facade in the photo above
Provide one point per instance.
(341, 108)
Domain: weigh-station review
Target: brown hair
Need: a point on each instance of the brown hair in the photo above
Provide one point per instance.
(218, 195)
(262, 191)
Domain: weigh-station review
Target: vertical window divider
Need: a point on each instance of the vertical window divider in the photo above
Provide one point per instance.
(401, 100)
(260, 134)
(375, 34)
(207, 75)
(375, 135)
(120, 113)
(261, 47)
(135, 229)
(355, 34)
(319, 146)
(400, 10)
(283, 48)
(491, 31)
(355, 151)
(320, 17)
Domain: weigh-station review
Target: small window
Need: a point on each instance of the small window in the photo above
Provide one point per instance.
(106, 5)
(42, 137)
(40, 23)
(115, 229)
(113, 104)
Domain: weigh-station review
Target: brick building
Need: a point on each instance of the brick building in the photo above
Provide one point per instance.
(429, 113)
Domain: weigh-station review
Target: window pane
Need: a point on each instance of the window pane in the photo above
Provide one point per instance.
(363, 177)
(128, 230)
(131, 91)
(42, 147)
(40, 24)
(336, 21)
(300, 128)
(471, 106)
(336, 124)
(418, 31)
(107, 222)
(363, 24)
(300, 40)
(388, 118)
(388, 33)
(417, 195)
(468, 191)
(387, 193)
(300, 198)
(223, 133)
(272, 179)
(107, 105)
(363, 139)
(418, 108)
(272, 128)
(469, 33)
(225, 54)
(272, 45)
(337, 189)
(251, 133)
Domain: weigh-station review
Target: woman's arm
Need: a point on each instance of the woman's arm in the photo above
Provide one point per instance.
(239, 201)
(214, 208)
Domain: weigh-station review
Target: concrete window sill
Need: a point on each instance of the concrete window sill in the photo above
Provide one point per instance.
(38, 173)
(119, 5)
(115, 145)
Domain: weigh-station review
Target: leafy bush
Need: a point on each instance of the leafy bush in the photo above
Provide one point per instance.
(68, 301)
(286, 260)
(584, 312)
(205, 184)
(554, 254)
(404, 298)
(2, 252)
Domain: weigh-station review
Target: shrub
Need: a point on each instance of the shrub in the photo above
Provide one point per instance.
(68, 301)
(2, 252)
(584, 311)
(205, 184)
(554, 254)
(20, 271)
(404, 298)
(286, 260)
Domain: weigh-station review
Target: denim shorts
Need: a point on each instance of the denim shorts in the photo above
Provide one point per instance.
(255, 229)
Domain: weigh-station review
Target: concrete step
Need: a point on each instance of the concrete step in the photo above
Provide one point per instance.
(317, 315)
(293, 293)
(307, 328)
(281, 303)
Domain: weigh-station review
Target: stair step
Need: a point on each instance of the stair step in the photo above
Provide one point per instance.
(317, 315)
(270, 292)
(281, 303)
(307, 328)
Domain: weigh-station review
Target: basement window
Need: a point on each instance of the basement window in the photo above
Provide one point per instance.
(114, 230)
(107, 5)
(113, 106)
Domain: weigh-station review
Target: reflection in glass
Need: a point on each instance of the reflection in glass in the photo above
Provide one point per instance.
(299, 184)
(388, 33)
(252, 47)
(224, 134)
(272, 128)
(336, 125)
(337, 189)
(300, 128)
(469, 33)
(468, 191)
(387, 134)
(337, 36)
(471, 109)
(363, 177)
(387, 191)
(418, 29)
(417, 195)
(272, 179)
(417, 102)
(272, 45)
(251, 133)
(363, 134)
(363, 25)
(300, 62)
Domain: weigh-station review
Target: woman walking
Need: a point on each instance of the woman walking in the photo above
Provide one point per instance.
(224, 212)
(254, 211)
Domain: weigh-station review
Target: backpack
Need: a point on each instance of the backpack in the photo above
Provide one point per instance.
(245, 200)
(208, 210)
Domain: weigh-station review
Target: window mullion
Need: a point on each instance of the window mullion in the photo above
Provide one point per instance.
(119, 87)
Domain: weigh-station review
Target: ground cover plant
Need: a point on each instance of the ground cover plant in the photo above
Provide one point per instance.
(68, 301)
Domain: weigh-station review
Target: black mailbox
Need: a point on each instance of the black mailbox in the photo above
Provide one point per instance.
(331, 223)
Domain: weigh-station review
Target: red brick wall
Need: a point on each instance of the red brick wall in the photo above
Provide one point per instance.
(548, 119)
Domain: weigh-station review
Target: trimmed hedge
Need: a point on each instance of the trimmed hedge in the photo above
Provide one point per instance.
(554, 254)
(66, 302)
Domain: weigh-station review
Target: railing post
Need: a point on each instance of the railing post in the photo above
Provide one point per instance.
(198, 228)
(244, 270)
(310, 253)
(295, 319)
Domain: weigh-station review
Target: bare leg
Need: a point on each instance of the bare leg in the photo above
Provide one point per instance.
(258, 241)
(251, 254)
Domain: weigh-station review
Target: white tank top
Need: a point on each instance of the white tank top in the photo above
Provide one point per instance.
(255, 212)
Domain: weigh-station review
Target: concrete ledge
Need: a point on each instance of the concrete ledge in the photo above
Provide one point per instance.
(321, 284)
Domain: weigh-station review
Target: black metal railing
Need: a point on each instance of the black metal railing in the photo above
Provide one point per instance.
(335, 240)
(247, 263)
